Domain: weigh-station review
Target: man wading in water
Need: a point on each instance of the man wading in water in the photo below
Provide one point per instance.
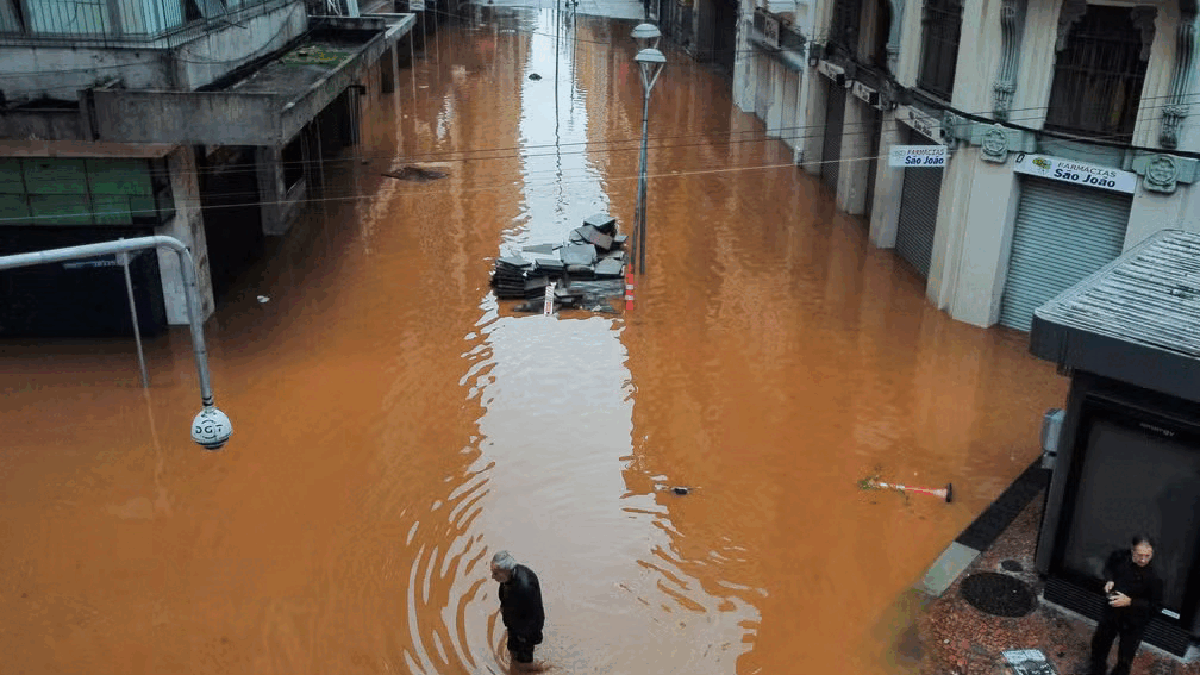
(520, 607)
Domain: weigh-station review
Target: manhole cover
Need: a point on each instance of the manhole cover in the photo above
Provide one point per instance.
(998, 594)
(1012, 566)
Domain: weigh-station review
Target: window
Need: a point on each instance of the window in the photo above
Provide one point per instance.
(1098, 75)
(843, 30)
(882, 24)
(941, 30)
(57, 191)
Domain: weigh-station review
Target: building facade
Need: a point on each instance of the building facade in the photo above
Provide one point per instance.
(1005, 150)
(205, 120)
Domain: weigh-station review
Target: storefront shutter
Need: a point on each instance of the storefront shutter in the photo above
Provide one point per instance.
(918, 217)
(1063, 233)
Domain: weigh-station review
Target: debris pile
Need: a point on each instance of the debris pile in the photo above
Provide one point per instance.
(417, 174)
(587, 267)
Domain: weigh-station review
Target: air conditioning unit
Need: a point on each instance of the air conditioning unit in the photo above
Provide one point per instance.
(1052, 424)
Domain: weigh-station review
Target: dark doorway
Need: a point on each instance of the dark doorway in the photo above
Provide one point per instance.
(725, 21)
(80, 298)
(230, 202)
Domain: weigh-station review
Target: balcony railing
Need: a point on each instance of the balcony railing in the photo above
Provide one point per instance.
(111, 19)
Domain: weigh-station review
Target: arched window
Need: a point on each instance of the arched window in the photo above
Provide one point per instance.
(941, 31)
(843, 29)
(1099, 72)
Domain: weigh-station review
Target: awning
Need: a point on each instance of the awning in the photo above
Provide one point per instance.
(1136, 320)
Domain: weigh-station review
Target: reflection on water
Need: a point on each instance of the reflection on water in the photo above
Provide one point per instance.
(395, 425)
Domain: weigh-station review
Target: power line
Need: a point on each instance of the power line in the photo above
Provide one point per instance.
(589, 148)
(482, 188)
(691, 64)
(522, 151)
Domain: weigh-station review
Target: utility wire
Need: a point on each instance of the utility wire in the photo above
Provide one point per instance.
(506, 184)
(464, 155)
(589, 148)
(593, 147)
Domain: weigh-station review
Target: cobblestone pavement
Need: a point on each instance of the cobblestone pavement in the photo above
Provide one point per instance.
(957, 639)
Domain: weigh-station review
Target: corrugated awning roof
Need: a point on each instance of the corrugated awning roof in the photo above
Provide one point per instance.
(1136, 320)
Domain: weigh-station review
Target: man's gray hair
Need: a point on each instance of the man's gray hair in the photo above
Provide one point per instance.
(504, 561)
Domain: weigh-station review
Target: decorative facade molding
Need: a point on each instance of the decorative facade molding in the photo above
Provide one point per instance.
(893, 41)
(1143, 21)
(1176, 109)
(1162, 173)
(1072, 12)
(1012, 15)
(994, 145)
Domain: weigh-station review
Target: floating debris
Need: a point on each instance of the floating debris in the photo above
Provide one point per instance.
(417, 174)
(676, 489)
(587, 270)
(263, 299)
(872, 482)
(602, 222)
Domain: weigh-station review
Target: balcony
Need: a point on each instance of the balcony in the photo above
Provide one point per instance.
(153, 24)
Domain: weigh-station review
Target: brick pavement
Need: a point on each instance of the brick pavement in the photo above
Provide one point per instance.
(957, 639)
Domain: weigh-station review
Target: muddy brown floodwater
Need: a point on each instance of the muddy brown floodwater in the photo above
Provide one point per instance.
(395, 425)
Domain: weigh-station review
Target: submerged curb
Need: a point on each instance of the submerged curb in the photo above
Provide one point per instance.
(985, 529)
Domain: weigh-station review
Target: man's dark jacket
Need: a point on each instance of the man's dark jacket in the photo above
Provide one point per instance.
(1142, 584)
(521, 604)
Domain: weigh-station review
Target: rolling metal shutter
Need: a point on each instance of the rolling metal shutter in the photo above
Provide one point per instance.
(1063, 233)
(835, 110)
(918, 214)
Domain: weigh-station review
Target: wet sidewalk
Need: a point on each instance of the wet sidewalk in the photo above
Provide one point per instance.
(956, 638)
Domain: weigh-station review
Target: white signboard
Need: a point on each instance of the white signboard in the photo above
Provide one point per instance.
(1070, 171)
(917, 156)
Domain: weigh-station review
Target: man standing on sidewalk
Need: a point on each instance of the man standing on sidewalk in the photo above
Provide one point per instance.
(1134, 592)
(520, 607)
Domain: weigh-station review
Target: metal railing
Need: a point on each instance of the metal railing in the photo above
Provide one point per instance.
(211, 427)
(112, 20)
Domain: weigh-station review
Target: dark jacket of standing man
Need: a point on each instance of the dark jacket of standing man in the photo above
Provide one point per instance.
(1134, 592)
(520, 606)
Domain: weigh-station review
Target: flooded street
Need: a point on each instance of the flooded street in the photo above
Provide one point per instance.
(395, 425)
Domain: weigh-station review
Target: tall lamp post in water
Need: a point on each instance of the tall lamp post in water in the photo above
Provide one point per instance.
(650, 64)
(211, 428)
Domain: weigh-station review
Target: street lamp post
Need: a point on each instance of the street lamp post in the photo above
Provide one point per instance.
(650, 64)
(646, 36)
(211, 427)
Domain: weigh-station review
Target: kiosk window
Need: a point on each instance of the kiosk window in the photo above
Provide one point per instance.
(1133, 480)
